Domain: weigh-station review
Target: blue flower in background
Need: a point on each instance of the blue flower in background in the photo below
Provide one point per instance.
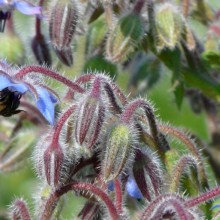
(7, 6)
(132, 188)
(11, 92)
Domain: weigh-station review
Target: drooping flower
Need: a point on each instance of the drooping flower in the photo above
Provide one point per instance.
(45, 99)
(7, 6)
(132, 188)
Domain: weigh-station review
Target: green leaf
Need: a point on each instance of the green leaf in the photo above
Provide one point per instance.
(99, 64)
(179, 94)
(212, 59)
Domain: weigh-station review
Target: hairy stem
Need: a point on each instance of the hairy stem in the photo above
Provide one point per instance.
(54, 75)
(54, 197)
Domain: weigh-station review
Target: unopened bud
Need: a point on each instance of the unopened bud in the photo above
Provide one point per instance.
(53, 162)
(90, 116)
(119, 150)
(123, 37)
(41, 50)
(63, 20)
(147, 173)
(169, 26)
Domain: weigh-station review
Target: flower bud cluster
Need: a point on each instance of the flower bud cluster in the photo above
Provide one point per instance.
(104, 146)
(92, 140)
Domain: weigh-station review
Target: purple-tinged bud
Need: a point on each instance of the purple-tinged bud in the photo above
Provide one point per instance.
(147, 173)
(41, 50)
(90, 116)
(62, 25)
(51, 156)
(19, 210)
(53, 163)
(65, 55)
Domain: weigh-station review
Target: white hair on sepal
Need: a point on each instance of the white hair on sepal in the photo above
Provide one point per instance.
(13, 209)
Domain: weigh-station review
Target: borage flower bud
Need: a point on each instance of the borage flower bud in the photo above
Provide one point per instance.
(147, 173)
(53, 162)
(49, 159)
(41, 50)
(169, 26)
(122, 39)
(62, 26)
(90, 116)
(119, 150)
(51, 156)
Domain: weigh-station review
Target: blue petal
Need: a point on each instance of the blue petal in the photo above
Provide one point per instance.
(2, 3)
(6, 82)
(27, 8)
(46, 103)
(132, 189)
(111, 186)
(215, 206)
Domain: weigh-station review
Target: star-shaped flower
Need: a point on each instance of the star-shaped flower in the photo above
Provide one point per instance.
(45, 99)
(7, 6)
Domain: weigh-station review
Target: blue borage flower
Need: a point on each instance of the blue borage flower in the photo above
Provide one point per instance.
(7, 6)
(45, 99)
(216, 206)
(131, 187)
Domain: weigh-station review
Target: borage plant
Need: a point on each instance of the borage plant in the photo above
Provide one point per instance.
(112, 151)
(95, 142)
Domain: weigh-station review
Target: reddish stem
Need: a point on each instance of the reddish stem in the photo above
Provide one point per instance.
(44, 71)
(118, 195)
(60, 124)
(21, 211)
(54, 197)
(203, 198)
(38, 21)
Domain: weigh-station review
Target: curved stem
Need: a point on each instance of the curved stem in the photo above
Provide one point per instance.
(129, 112)
(60, 124)
(20, 210)
(54, 197)
(151, 207)
(184, 163)
(109, 87)
(180, 210)
(191, 147)
(47, 72)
